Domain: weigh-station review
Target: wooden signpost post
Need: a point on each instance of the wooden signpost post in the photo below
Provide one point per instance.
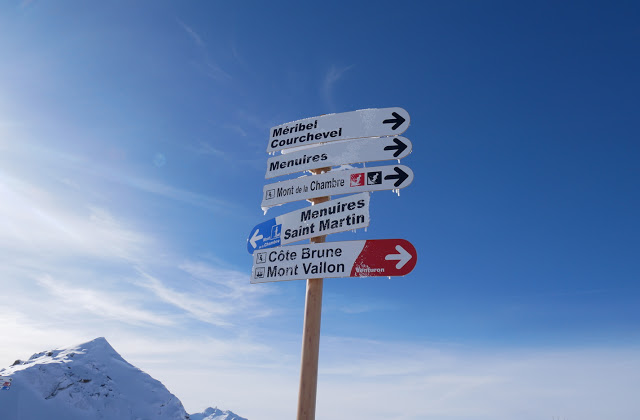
(311, 334)
(334, 139)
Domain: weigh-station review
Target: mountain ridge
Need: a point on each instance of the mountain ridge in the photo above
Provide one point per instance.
(90, 381)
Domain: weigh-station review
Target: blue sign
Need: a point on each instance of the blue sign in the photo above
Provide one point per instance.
(340, 215)
(264, 235)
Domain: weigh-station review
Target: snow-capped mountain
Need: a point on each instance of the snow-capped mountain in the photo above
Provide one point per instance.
(89, 381)
(216, 414)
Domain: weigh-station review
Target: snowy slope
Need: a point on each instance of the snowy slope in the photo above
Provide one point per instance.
(216, 414)
(88, 381)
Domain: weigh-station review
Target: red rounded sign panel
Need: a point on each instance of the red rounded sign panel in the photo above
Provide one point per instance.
(385, 257)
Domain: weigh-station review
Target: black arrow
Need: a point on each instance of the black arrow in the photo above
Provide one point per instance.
(399, 147)
(401, 176)
(397, 121)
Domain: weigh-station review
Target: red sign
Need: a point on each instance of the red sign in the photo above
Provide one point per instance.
(385, 257)
(370, 258)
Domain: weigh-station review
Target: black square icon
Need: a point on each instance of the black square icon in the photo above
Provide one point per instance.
(374, 178)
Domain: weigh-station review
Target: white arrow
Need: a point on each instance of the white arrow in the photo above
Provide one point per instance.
(255, 237)
(403, 257)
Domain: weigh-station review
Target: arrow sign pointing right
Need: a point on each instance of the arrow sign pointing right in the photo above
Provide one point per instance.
(374, 178)
(369, 149)
(400, 175)
(373, 122)
(402, 257)
(370, 258)
(399, 147)
(397, 121)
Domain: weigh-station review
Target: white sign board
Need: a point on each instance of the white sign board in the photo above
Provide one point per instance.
(343, 214)
(331, 127)
(378, 257)
(368, 149)
(337, 182)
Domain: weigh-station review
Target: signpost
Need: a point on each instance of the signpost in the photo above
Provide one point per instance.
(337, 182)
(347, 213)
(369, 149)
(370, 135)
(365, 258)
(331, 127)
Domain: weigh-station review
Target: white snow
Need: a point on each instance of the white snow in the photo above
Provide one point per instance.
(216, 414)
(89, 381)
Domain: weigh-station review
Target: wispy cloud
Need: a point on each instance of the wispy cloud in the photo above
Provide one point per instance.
(26, 3)
(352, 305)
(233, 286)
(193, 34)
(212, 311)
(68, 263)
(331, 78)
(168, 191)
(204, 148)
(446, 382)
(103, 304)
(78, 167)
(211, 68)
(35, 221)
(237, 128)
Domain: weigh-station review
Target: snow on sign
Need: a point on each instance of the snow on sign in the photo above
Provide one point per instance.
(369, 258)
(337, 182)
(333, 216)
(331, 127)
(368, 149)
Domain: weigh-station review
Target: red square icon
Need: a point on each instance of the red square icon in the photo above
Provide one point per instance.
(357, 180)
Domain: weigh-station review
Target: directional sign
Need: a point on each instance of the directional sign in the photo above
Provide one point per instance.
(369, 149)
(379, 257)
(331, 127)
(333, 216)
(337, 182)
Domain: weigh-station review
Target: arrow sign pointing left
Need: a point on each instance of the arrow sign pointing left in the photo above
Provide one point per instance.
(255, 238)
(340, 215)
(370, 258)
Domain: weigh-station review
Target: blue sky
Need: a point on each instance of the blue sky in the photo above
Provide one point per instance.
(132, 161)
